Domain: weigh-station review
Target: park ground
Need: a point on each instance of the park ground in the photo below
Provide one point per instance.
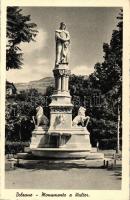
(64, 174)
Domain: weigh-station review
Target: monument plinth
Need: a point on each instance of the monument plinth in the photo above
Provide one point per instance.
(62, 137)
(61, 106)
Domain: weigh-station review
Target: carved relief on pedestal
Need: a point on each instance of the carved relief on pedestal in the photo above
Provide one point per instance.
(59, 121)
(61, 109)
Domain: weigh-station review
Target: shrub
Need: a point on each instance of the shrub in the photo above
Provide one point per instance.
(15, 147)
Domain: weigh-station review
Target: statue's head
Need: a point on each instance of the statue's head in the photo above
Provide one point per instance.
(81, 111)
(62, 26)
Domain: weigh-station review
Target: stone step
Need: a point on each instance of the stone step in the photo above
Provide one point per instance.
(93, 150)
(27, 150)
(93, 156)
(9, 165)
(22, 155)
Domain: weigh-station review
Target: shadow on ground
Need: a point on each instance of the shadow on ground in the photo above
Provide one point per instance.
(117, 172)
(65, 166)
(52, 165)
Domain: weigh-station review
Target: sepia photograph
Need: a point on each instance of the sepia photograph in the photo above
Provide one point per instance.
(64, 102)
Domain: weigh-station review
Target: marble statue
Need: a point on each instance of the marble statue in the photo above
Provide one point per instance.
(41, 119)
(62, 45)
(62, 137)
(81, 118)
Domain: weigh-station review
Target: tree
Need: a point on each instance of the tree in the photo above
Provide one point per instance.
(18, 114)
(108, 74)
(19, 29)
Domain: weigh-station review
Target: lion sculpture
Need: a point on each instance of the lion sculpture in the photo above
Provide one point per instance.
(81, 118)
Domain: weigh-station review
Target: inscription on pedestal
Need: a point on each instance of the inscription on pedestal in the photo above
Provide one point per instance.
(61, 109)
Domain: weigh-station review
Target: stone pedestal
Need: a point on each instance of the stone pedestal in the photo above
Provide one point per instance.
(39, 137)
(61, 107)
(61, 139)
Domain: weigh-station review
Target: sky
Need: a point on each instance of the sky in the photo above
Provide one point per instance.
(89, 28)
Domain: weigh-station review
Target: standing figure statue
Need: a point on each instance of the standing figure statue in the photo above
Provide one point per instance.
(62, 45)
(41, 119)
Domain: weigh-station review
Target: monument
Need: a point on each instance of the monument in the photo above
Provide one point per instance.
(62, 137)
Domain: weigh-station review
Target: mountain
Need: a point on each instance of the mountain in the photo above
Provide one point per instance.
(40, 85)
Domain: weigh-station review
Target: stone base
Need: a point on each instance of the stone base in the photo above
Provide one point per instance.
(94, 156)
(75, 138)
(60, 143)
(60, 99)
(10, 164)
(22, 155)
(39, 137)
(59, 153)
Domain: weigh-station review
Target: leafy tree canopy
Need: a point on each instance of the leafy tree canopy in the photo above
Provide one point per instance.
(108, 74)
(19, 29)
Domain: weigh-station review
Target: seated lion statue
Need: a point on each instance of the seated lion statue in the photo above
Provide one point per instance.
(41, 119)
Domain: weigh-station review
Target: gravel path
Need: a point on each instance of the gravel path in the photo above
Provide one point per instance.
(64, 174)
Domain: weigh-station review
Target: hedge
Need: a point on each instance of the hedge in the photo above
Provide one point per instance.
(15, 147)
(105, 144)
